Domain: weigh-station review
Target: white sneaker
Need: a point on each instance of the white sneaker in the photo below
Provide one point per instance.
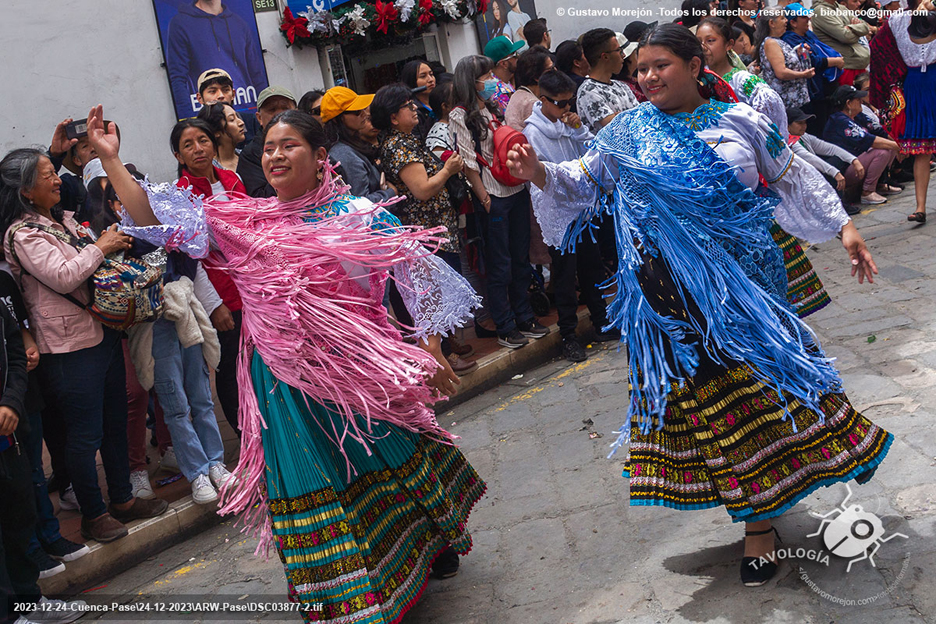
(221, 477)
(168, 461)
(139, 481)
(55, 612)
(67, 499)
(202, 490)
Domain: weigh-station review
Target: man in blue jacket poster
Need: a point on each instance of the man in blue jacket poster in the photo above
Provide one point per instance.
(202, 34)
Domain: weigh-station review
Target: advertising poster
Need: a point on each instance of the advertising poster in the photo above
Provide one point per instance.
(197, 35)
(505, 17)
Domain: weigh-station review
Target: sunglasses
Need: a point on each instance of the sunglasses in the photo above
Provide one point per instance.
(559, 103)
(410, 105)
(316, 111)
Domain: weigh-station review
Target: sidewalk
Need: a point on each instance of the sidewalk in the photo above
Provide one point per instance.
(185, 519)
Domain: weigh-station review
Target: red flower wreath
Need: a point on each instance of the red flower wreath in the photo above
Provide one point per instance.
(294, 27)
(386, 15)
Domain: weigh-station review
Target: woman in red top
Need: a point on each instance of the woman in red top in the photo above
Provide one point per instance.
(196, 152)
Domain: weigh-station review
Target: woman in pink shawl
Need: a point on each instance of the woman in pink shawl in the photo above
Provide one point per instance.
(362, 490)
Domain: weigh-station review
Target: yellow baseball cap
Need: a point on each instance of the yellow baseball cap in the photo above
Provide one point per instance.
(339, 100)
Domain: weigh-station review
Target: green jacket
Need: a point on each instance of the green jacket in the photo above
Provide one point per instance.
(831, 23)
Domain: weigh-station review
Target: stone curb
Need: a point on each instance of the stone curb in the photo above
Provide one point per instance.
(185, 519)
(147, 537)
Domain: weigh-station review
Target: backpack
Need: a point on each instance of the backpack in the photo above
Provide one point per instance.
(504, 139)
(124, 292)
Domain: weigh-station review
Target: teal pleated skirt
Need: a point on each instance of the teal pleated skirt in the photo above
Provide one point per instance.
(360, 545)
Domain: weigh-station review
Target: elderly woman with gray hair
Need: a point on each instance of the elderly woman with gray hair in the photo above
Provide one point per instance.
(82, 370)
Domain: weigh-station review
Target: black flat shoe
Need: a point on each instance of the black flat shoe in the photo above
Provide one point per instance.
(482, 332)
(755, 571)
(446, 564)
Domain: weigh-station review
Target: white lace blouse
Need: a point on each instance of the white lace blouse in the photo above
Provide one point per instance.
(810, 208)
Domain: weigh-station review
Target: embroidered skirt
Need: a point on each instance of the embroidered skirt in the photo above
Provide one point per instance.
(724, 442)
(919, 135)
(361, 544)
(724, 439)
(805, 291)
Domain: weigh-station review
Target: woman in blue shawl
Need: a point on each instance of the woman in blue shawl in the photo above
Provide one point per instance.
(732, 400)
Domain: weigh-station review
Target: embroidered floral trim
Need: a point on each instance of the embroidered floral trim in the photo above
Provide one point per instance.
(704, 116)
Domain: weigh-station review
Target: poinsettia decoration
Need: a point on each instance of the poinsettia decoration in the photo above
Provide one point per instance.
(386, 15)
(425, 12)
(294, 27)
(373, 22)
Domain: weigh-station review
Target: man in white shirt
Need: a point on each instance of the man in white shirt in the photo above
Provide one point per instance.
(599, 97)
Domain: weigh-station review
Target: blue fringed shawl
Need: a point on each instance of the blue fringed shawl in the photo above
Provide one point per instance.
(677, 200)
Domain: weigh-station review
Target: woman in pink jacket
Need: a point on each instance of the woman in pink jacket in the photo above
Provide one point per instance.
(82, 367)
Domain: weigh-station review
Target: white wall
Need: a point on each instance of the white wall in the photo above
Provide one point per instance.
(60, 58)
(456, 41)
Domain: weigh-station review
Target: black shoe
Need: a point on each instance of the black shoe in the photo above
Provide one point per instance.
(902, 176)
(446, 564)
(608, 336)
(532, 329)
(865, 476)
(47, 566)
(852, 209)
(755, 571)
(482, 332)
(573, 350)
(66, 550)
(513, 340)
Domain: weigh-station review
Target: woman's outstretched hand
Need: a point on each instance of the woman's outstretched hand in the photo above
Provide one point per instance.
(444, 378)
(524, 164)
(103, 140)
(862, 264)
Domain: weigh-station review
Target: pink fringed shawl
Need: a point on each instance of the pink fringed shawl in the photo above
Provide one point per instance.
(316, 328)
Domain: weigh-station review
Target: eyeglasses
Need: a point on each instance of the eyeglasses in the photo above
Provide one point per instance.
(619, 50)
(410, 105)
(559, 103)
(316, 111)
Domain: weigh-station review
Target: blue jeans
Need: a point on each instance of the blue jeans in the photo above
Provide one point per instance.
(47, 525)
(183, 387)
(507, 252)
(89, 386)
